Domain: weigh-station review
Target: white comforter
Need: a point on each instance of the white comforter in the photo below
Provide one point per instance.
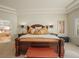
(39, 36)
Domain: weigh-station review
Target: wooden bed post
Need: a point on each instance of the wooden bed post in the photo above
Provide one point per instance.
(61, 48)
(17, 47)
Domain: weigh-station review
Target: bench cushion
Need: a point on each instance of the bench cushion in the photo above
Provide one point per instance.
(41, 53)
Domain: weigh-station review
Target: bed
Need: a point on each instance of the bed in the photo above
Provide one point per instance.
(38, 36)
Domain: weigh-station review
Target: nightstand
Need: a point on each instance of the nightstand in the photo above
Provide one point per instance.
(66, 38)
(21, 34)
(53, 34)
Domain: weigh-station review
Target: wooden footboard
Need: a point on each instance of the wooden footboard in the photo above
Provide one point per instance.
(22, 44)
(61, 48)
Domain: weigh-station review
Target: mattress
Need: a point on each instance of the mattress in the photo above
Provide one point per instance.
(39, 36)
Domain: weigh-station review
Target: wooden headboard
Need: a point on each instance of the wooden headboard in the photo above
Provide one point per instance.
(37, 25)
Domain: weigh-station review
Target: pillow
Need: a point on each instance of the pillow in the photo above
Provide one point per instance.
(41, 31)
(44, 30)
(38, 30)
(30, 29)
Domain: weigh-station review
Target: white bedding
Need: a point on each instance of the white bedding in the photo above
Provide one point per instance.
(39, 36)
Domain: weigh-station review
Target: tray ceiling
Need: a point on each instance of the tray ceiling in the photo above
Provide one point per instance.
(35, 4)
(23, 6)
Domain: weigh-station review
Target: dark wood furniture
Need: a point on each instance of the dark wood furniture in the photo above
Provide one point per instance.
(66, 38)
(22, 44)
(20, 34)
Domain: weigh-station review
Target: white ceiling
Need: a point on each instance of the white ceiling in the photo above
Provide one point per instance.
(34, 4)
(22, 5)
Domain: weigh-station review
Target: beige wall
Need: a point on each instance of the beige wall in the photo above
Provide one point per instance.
(71, 26)
(45, 19)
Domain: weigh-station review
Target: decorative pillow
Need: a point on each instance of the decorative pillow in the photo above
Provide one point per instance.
(30, 29)
(38, 30)
(44, 30)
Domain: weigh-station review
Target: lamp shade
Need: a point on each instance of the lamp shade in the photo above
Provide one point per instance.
(22, 26)
(51, 26)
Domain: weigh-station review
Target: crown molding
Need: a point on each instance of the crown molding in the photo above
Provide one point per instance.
(68, 5)
(42, 11)
(7, 9)
(73, 6)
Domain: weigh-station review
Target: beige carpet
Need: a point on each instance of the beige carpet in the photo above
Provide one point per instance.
(71, 51)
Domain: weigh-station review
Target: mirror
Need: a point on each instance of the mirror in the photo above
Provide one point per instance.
(5, 33)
